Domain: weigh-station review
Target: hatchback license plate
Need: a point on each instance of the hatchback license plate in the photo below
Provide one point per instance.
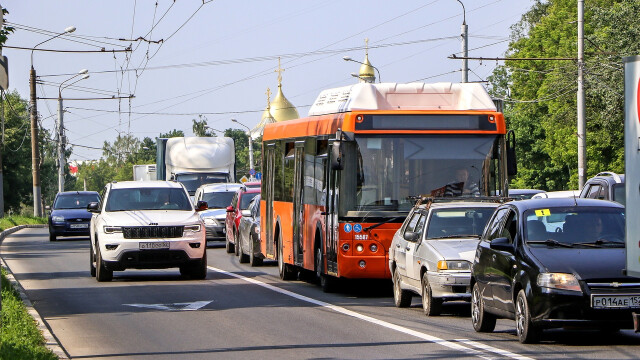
(615, 301)
(154, 245)
(79, 226)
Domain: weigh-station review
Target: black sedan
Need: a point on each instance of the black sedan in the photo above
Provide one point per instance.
(69, 215)
(553, 263)
(249, 234)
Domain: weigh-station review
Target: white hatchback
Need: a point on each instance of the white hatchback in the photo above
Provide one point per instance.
(146, 225)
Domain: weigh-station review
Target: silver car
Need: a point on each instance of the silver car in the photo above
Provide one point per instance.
(431, 254)
(218, 196)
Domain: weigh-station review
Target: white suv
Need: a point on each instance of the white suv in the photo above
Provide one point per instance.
(146, 225)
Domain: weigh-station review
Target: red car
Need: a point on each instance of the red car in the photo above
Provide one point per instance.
(240, 202)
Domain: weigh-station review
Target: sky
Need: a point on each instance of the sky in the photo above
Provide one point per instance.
(217, 59)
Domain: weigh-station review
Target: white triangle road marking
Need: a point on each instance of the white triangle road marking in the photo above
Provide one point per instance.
(187, 306)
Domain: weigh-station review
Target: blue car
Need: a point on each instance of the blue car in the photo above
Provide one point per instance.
(69, 215)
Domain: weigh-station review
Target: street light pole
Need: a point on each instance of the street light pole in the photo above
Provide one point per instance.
(35, 151)
(61, 138)
(348, 58)
(465, 44)
(582, 124)
(251, 175)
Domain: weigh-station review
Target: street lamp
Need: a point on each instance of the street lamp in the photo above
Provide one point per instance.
(465, 43)
(251, 170)
(61, 137)
(35, 153)
(348, 58)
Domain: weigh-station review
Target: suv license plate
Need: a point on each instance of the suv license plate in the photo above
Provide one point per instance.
(615, 301)
(154, 245)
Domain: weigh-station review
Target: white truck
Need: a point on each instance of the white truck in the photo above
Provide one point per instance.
(145, 172)
(195, 161)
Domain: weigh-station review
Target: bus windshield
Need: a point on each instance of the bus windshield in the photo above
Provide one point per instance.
(384, 171)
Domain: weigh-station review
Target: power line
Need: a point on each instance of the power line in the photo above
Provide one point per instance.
(103, 50)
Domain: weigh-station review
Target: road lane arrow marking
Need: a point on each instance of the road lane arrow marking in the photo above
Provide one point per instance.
(187, 306)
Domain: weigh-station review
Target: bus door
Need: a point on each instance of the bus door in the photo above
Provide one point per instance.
(331, 221)
(298, 207)
(268, 199)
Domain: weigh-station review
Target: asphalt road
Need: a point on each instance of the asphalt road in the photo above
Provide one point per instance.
(240, 312)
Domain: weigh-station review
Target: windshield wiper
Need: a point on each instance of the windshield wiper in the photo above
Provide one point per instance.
(600, 242)
(455, 236)
(550, 242)
(383, 222)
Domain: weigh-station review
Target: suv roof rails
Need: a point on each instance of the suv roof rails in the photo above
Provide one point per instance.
(615, 176)
(430, 199)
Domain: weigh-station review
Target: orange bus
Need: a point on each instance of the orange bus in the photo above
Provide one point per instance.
(339, 183)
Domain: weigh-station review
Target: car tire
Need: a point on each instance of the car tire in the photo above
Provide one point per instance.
(228, 245)
(430, 306)
(286, 271)
(401, 297)
(52, 237)
(102, 274)
(481, 320)
(243, 258)
(254, 260)
(527, 332)
(92, 265)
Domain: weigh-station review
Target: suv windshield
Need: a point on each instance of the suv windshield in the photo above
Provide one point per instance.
(458, 222)
(148, 199)
(75, 201)
(575, 225)
(218, 200)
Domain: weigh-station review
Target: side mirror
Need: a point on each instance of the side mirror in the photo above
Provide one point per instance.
(336, 155)
(202, 205)
(93, 207)
(411, 236)
(229, 208)
(512, 163)
(501, 244)
(246, 213)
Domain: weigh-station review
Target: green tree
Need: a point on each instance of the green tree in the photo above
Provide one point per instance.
(199, 127)
(172, 133)
(541, 95)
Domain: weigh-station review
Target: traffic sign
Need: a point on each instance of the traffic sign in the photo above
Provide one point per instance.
(252, 172)
(258, 176)
(244, 179)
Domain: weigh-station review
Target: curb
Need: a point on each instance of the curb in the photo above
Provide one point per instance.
(51, 342)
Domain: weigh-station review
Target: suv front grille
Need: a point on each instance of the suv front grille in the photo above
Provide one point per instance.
(152, 232)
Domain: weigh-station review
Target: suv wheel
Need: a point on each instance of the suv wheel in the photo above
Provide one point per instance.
(102, 274)
(92, 262)
(482, 321)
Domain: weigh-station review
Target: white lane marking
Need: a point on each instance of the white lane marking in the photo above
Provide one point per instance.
(188, 306)
(490, 348)
(450, 344)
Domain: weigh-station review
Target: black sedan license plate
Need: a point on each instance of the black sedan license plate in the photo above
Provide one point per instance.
(615, 301)
(154, 245)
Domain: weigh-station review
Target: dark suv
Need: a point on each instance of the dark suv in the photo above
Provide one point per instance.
(605, 186)
(553, 263)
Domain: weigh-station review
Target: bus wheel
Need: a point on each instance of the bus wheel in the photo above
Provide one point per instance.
(287, 271)
(327, 282)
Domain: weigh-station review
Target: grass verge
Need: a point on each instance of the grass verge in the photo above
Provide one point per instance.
(19, 335)
(11, 221)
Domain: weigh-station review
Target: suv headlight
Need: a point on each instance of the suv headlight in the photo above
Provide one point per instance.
(453, 265)
(57, 218)
(192, 228)
(560, 281)
(112, 229)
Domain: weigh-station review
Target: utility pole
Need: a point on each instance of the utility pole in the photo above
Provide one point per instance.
(3, 86)
(35, 151)
(582, 125)
(465, 45)
(61, 141)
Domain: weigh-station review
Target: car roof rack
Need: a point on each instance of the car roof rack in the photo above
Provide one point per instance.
(615, 176)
